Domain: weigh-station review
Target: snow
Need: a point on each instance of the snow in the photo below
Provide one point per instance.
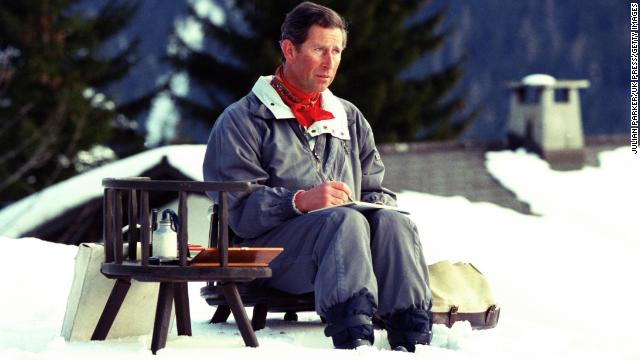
(208, 8)
(539, 80)
(163, 118)
(44, 205)
(565, 279)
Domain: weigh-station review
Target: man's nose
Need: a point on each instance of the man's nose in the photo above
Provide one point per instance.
(328, 61)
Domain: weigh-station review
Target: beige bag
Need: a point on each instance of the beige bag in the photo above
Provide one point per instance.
(88, 296)
(460, 292)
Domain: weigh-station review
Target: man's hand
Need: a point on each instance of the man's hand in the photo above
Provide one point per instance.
(326, 194)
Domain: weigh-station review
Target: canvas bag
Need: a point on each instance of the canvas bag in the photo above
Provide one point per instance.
(461, 292)
(89, 293)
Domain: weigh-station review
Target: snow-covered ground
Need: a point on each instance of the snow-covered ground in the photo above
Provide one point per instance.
(566, 278)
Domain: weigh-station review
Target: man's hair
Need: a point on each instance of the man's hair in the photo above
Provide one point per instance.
(298, 21)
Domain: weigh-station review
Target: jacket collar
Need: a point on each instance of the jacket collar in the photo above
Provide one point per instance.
(337, 127)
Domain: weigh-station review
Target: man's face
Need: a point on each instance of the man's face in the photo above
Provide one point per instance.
(313, 65)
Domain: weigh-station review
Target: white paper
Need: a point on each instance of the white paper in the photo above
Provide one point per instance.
(364, 206)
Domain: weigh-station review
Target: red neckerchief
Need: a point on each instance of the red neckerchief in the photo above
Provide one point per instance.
(306, 108)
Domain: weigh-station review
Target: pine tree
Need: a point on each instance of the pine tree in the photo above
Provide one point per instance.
(382, 43)
(51, 73)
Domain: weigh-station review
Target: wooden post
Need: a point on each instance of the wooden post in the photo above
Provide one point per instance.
(183, 236)
(145, 227)
(107, 224)
(181, 301)
(117, 224)
(163, 315)
(132, 235)
(242, 320)
(118, 293)
(214, 228)
(224, 230)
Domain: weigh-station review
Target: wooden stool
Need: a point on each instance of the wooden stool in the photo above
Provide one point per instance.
(173, 276)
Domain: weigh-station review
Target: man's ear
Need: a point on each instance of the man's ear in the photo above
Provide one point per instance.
(288, 50)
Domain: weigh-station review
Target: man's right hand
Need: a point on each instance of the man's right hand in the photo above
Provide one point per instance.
(326, 194)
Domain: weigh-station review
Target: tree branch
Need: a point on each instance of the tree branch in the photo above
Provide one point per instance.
(41, 154)
(22, 112)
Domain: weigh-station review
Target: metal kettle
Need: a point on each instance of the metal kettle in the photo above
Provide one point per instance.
(165, 237)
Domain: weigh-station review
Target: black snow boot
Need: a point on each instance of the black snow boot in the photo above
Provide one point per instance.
(349, 323)
(408, 328)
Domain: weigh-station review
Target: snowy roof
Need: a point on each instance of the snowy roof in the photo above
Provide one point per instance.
(49, 203)
(544, 80)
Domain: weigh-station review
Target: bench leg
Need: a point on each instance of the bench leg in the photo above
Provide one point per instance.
(181, 298)
(163, 314)
(235, 302)
(221, 315)
(111, 308)
(259, 318)
(291, 316)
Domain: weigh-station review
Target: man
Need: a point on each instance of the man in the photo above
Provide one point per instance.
(313, 150)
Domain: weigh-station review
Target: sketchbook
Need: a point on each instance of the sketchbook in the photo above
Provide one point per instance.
(364, 206)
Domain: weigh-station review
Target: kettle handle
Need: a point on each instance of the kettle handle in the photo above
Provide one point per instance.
(173, 217)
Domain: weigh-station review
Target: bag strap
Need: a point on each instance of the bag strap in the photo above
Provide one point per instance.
(481, 320)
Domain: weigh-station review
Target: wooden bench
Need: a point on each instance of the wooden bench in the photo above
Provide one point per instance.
(263, 300)
(173, 277)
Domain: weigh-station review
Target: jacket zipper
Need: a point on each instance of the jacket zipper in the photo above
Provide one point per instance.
(316, 157)
(345, 147)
